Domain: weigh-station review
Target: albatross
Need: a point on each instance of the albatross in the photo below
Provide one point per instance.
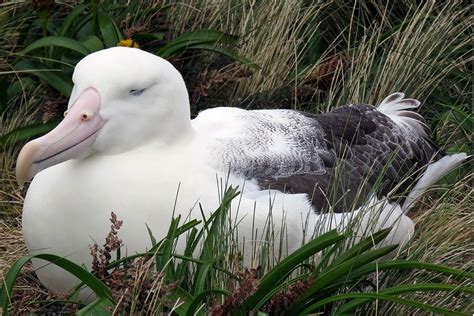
(127, 143)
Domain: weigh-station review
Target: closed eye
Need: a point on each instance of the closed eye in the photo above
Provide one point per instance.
(136, 92)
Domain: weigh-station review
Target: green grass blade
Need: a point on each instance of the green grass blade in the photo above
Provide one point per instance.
(108, 29)
(342, 271)
(276, 275)
(374, 296)
(425, 287)
(196, 302)
(183, 267)
(150, 234)
(401, 265)
(181, 43)
(226, 52)
(200, 280)
(156, 36)
(184, 297)
(162, 259)
(58, 41)
(279, 288)
(99, 288)
(26, 132)
(96, 308)
(78, 9)
(362, 246)
(52, 77)
(93, 43)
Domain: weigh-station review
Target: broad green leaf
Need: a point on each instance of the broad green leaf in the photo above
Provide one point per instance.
(197, 301)
(277, 289)
(341, 271)
(157, 36)
(99, 288)
(430, 308)
(93, 43)
(78, 9)
(206, 36)
(168, 243)
(228, 53)
(20, 85)
(201, 277)
(58, 41)
(402, 289)
(183, 266)
(403, 265)
(108, 29)
(189, 39)
(362, 246)
(52, 77)
(183, 297)
(150, 234)
(276, 275)
(97, 308)
(26, 132)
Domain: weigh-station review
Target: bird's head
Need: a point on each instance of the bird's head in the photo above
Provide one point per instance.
(122, 98)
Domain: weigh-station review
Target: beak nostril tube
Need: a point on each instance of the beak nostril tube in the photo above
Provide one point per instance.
(65, 113)
(85, 116)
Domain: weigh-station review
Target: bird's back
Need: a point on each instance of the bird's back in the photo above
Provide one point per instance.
(337, 158)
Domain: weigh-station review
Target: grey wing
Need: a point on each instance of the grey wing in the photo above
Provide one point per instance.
(366, 151)
(336, 158)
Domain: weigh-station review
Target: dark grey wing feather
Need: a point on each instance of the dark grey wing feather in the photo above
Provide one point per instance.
(365, 149)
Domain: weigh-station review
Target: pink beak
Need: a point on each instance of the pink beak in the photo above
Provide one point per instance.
(72, 138)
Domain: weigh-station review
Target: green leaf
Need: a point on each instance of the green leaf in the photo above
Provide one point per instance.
(373, 296)
(20, 85)
(206, 36)
(279, 288)
(401, 265)
(52, 77)
(167, 246)
(425, 287)
(99, 288)
(243, 60)
(157, 36)
(201, 277)
(181, 43)
(197, 301)
(93, 43)
(4, 85)
(78, 9)
(183, 296)
(276, 275)
(108, 29)
(96, 308)
(150, 234)
(341, 271)
(362, 246)
(24, 133)
(57, 41)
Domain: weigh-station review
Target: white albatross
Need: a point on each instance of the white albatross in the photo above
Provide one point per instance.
(127, 143)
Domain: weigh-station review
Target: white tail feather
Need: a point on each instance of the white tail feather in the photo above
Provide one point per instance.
(395, 106)
(433, 173)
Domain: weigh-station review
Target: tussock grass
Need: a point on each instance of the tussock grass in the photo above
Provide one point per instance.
(443, 236)
(344, 52)
(414, 56)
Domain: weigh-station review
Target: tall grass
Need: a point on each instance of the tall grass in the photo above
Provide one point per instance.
(343, 52)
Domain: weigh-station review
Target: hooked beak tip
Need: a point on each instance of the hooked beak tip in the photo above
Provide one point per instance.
(24, 163)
